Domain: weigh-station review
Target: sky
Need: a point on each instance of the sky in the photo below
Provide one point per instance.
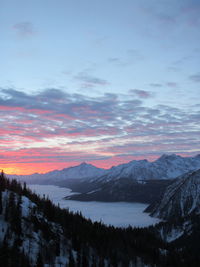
(102, 82)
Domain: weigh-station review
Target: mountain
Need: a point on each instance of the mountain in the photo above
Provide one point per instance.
(124, 189)
(180, 199)
(180, 210)
(166, 167)
(137, 181)
(82, 171)
(36, 233)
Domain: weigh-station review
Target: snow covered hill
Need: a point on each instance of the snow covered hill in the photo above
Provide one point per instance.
(180, 208)
(28, 234)
(181, 198)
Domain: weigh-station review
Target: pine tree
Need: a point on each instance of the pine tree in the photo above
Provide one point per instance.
(101, 262)
(16, 216)
(78, 260)
(93, 261)
(39, 262)
(2, 181)
(1, 206)
(84, 259)
(71, 260)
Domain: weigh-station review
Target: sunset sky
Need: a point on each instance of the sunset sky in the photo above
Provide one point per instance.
(103, 82)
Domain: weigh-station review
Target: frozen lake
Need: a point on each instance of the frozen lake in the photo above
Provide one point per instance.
(119, 214)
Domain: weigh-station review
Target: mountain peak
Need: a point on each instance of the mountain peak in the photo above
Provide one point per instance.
(168, 157)
(84, 164)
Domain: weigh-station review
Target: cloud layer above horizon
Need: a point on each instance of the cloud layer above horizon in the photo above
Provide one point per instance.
(98, 81)
(56, 129)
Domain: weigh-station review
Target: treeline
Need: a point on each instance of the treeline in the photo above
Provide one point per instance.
(89, 244)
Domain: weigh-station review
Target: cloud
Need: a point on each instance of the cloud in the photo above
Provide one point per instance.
(141, 93)
(190, 12)
(155, 84)
(89, 80)
(166, 18)
(114, 60)
(172, 84)
(24, 29)
(132, 56)
(169, 84)
(195, 77)
(58, 127)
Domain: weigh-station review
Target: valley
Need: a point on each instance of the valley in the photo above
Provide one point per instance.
(118, 214)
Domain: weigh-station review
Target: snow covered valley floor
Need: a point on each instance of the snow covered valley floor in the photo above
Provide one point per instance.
(119, 214)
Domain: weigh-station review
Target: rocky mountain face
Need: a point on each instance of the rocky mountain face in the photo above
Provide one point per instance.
(180, 209)
(180, 199)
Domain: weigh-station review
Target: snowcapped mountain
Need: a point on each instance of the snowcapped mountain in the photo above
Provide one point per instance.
(180, 208)
(181, 198)
(137, 181)
(166, 167)
(82, 171)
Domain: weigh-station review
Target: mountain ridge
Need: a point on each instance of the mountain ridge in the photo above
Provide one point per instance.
(168, 166)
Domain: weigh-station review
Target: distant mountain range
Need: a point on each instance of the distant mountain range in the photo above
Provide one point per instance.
(82, 171)
(136, 181)
(166, 167)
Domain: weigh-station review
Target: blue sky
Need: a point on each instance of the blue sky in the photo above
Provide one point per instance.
(102, 52)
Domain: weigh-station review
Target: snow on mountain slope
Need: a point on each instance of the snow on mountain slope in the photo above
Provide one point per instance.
(82, 171)
(166, 167)
(181, 198)
(31, 239)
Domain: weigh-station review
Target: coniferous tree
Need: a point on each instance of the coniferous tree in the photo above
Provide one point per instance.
(4, 253)
(93, 264)
(1, 206)
(84, 260)
(71, 262)
(39, 261)
(2, 181)
(101, 262)
(78, 259)
(16, 216)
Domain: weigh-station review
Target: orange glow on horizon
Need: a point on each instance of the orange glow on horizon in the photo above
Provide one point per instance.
(44, 167)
